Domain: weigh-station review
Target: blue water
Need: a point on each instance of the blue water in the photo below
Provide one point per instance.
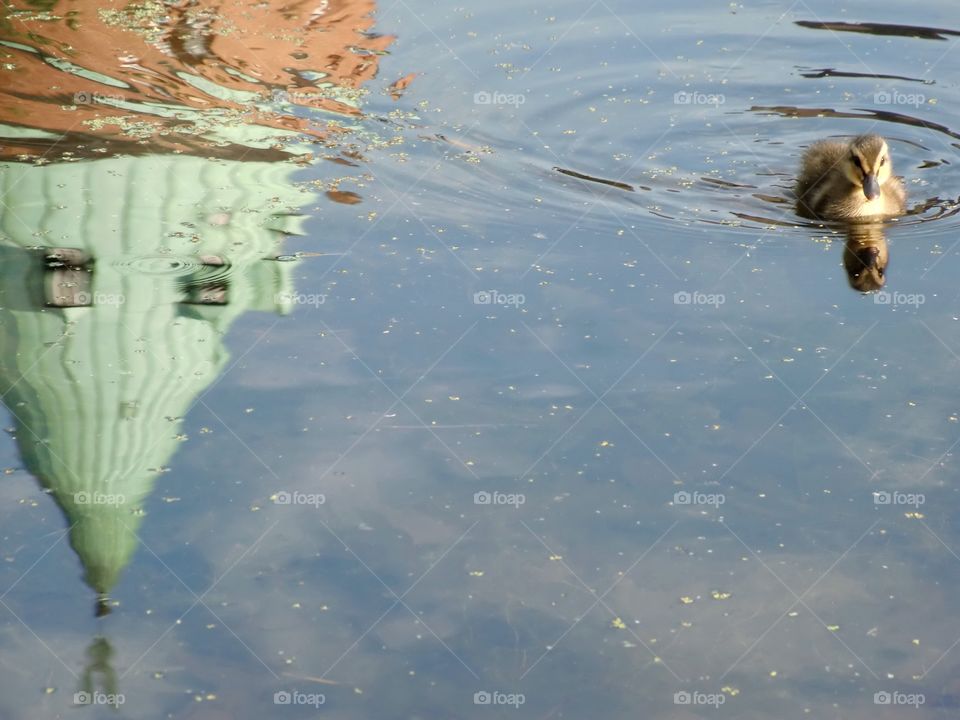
(554, 448)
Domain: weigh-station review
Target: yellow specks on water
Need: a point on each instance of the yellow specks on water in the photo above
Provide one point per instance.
(719, 595)
(49, 690)
(914, 515)
(296, 605)
(773, 673)
(686, 624)
(605, 443)
(686, 600)
(729, 690)
(556, 558)
(792, 613)
(916, 641)
(476, 573)
(618, 624)
(469, 463)
(833, 628)
(714, 427)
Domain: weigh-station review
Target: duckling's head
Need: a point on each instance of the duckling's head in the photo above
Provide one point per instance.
(868, 164)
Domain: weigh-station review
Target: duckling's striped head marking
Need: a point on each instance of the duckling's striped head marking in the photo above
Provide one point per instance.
(868, 165)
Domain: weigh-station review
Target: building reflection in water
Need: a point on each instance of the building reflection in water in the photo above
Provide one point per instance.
(147, 155)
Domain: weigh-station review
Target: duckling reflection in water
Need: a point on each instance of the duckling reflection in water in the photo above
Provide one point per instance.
(865, 256)
(849, 180)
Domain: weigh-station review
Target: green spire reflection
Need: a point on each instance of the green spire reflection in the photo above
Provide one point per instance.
(119, 279)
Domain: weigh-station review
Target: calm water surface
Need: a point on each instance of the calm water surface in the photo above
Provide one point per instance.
(421, 361)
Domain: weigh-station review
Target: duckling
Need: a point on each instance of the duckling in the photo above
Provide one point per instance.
(849, 180)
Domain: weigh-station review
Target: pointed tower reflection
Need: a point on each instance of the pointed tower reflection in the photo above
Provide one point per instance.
(147, 155)
(108, 339)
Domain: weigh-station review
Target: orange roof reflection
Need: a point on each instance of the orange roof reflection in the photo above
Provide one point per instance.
(149, 77)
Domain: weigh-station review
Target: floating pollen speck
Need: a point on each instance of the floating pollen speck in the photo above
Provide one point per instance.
(618, 624)
(476, 573)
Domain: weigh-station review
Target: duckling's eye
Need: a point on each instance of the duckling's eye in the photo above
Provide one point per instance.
(856, 161)
(883, 160)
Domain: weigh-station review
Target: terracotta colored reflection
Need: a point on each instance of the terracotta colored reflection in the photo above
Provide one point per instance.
(177, 70)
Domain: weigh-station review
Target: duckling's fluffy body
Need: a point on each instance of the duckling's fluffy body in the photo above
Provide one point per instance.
(849, 180)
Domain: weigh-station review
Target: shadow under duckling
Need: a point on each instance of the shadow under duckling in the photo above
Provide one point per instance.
(849, 180)
(865, 256)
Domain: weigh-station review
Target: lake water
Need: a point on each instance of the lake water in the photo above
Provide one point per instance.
(420, 361)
